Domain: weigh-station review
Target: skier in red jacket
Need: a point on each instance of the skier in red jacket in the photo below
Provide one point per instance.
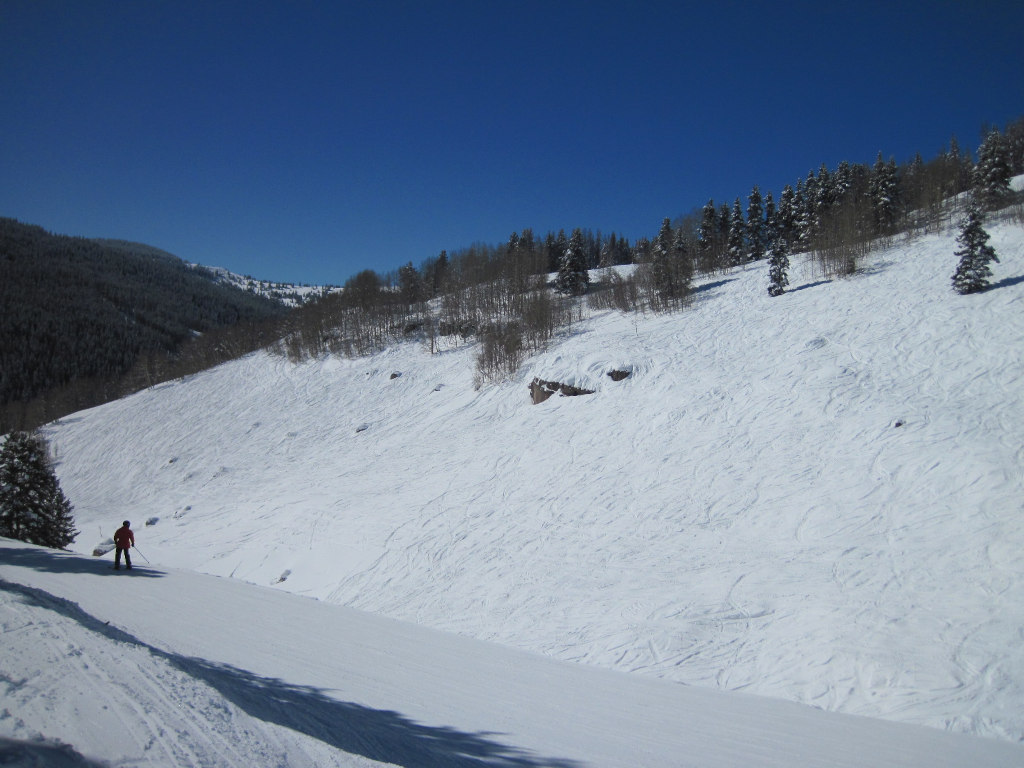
(124, 540)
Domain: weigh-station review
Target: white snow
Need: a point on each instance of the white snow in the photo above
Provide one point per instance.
(164, 668)
(814, 498)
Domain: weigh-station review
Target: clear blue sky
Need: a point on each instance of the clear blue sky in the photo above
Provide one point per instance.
(305, 141)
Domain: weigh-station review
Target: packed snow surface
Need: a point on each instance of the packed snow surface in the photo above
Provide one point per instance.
(815, 497)
(159, 668)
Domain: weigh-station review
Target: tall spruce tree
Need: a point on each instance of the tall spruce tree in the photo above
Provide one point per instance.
(707, 238)
(33, 508)
(883, 187)
(662, 270)
(992, 172)
(737, 236)
(786, 219)
(573, 277)
(975, 253)
(756, 235)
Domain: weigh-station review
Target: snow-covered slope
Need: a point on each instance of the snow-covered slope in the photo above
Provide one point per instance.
(165, 668)
(815, 497)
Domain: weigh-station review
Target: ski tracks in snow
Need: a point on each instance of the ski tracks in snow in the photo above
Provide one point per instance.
(152, 712)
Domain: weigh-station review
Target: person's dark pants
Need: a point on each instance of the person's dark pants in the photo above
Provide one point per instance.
(117, 558)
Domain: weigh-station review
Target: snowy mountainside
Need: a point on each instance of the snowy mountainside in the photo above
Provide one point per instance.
(289, 294)
(815, 497)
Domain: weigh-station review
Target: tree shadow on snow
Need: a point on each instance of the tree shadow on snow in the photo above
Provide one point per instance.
(51, 755)
(711, 286)
(805, 286)
(376, 734)
(1006, 282)
(56, 561)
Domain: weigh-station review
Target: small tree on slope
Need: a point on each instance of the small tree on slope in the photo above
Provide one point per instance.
(778, 267)
(33, 508)
(975, 254)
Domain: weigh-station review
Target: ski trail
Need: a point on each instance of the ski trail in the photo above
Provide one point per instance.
(150, 712)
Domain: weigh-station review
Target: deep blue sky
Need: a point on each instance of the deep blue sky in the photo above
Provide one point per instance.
(305, 141)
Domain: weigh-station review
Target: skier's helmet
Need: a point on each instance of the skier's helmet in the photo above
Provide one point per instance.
(126, 524)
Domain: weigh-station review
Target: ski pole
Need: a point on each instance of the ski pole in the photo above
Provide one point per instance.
(140, 554)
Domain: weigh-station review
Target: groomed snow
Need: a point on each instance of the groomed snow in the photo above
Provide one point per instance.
(815, 497)
(160, 668)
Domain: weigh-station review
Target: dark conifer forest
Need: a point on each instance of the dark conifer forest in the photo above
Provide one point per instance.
(91, 313)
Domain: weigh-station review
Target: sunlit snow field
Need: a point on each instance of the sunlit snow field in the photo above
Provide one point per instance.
(816, 497)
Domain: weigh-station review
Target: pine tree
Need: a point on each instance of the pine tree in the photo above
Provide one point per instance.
(975, 253)
(884, 190)
(737, 236)
(662, 270)
(410, 285)
(707, 237)
(786, 226)
(992, 172)
(778, 267)
(671, 266)
(806, 224)
(771, 221)
(33, 508)
(755, 226)
(573, 277)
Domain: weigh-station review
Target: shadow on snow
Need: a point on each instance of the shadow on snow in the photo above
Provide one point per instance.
(44, 753)
(376, 734)
(56, 561)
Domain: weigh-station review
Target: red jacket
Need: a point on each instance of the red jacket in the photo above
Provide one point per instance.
(124, 538)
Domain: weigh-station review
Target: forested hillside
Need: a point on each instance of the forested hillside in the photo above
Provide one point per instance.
(76, 310)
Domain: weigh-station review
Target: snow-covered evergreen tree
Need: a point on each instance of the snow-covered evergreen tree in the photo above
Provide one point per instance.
(756, 236)
(992, 172)
(771, 221)
(806, 218)
(884, 190)
(786, 220)
(737, 236)
(33, 508)
(778, 267)
(661, 267)
(573, 277)
(972, 272)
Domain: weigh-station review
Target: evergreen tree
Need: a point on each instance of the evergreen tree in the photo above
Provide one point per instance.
(975, 253)
(642, 251)
(573, 277)
(32, 506)
(778, 267)
(671, 267)
(771, 221)
(992, 172)
(683, 252)
(755, 226)
(1015, 146)
(737, 236)
(662, 270)
(410, 285)
(884, 190)
(707, 236)
(786, 220)
(825, 194)
(806, 225)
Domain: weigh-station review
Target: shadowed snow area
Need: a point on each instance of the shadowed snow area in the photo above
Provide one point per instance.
(815, 497)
